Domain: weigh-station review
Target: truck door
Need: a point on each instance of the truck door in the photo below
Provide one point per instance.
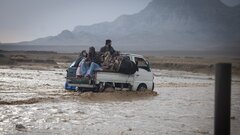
(144, 74)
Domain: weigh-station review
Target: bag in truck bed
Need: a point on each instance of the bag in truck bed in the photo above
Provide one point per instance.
(127, 66)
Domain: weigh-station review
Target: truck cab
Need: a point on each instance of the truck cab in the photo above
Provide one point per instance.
(143, 78)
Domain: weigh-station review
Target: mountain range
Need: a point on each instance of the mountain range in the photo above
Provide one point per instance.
(162, 25)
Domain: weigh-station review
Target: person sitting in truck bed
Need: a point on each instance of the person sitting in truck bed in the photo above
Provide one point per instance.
(94, 56)
(82, 55)
(107, 59)
(90, 64)
(107, 48)
(82, 68)
(95, 62)
(110, 61)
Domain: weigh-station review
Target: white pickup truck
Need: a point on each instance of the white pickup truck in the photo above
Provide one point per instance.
(141, 80)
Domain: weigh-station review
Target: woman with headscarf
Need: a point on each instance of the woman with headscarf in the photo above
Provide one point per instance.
(82, 55)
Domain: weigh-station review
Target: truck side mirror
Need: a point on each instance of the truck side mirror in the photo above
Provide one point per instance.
(136, 63)
(137, 69)
(136, 66)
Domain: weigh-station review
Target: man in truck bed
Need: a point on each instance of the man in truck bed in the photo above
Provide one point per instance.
(90, 64)
(107, 48)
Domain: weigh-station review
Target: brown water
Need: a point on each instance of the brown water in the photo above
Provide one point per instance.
(36, 100)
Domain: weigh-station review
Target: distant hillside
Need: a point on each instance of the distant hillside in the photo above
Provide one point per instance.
(162, 25)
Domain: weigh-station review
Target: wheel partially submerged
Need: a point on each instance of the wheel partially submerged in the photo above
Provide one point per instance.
(142, 87)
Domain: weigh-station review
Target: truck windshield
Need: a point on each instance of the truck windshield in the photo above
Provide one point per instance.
(142, 63)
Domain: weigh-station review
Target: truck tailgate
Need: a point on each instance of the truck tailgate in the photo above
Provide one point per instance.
(74, 80)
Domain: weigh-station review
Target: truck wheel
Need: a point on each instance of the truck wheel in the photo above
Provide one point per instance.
(79, 89)
(109, 89)
(142, 87)
(101, 87)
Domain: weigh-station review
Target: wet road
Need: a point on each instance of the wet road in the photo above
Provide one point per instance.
(36, 100)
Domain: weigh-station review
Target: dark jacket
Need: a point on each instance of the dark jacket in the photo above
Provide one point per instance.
(96, 58)
(106, 49)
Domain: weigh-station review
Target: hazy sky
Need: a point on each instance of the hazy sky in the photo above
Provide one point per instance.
(22, 20)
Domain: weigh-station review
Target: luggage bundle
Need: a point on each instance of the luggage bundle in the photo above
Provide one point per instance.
(119, 64)
(127, 66)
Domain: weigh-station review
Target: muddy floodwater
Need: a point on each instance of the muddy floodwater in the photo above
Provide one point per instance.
(35, 102)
